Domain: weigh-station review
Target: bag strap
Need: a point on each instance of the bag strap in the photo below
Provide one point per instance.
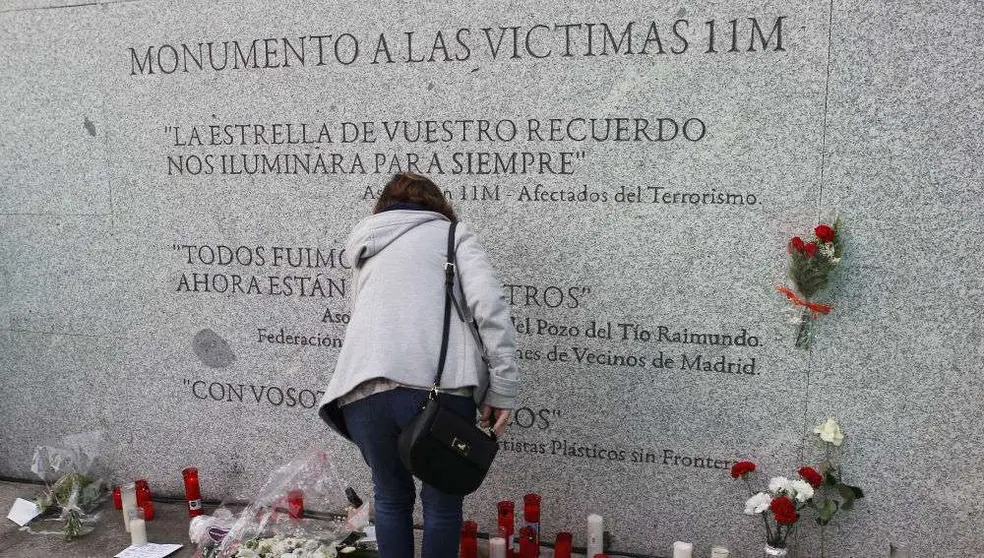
(449, 269)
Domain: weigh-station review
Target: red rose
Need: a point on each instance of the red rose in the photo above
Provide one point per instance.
(785, 510)
(810, 249)
(796, 244)
(810, 475)
(824, 233)
(742, 468)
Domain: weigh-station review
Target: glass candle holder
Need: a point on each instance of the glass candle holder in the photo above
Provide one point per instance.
(563, 544)
(527, 543)
(193, 492)
(507, 524)
(128, 495)
(469, 540)
(295, 503)
(531, 514)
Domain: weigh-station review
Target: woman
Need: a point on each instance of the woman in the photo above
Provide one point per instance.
(392, 344)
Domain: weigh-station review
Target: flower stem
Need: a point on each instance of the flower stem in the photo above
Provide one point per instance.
(803, 340)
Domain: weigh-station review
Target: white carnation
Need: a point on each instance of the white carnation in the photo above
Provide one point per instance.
(779, 484)
(803, 489)
(757, 503)
(830, 432)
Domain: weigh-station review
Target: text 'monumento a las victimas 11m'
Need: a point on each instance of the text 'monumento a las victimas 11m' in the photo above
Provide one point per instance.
(178, 180)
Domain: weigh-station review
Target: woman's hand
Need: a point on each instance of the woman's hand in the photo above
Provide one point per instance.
(501, 418)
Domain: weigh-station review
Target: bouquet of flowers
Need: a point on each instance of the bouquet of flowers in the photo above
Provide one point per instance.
(73, 489)
(328, 521)
(811, 265)
(780, 506)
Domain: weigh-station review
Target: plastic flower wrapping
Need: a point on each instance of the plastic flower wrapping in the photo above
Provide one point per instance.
(274, 526)
(74, 486)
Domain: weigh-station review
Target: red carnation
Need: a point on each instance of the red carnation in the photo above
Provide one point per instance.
(796, 244)
(785, 510)
(742, 468)
(824, 233)
(810, 249)
(810, 475)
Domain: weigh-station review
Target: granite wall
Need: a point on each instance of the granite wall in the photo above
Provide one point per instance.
(177, 180)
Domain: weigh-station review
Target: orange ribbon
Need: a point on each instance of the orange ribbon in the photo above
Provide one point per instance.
(814, 307)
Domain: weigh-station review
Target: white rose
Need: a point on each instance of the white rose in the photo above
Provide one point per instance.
(757, 503)
(830, 432)
(803, 490)
(779, 484)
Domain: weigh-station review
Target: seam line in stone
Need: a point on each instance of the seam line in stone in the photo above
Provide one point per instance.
(826, 98)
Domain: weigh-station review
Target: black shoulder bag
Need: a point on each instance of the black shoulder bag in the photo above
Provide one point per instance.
(440, 447)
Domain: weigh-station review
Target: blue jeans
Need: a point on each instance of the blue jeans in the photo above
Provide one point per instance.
(375, 424)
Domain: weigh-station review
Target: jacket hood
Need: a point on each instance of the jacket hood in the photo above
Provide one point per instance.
(378, 231)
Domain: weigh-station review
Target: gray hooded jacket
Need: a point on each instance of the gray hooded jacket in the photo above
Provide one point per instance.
(398, 313)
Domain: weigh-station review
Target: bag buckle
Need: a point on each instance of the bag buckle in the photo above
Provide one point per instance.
(461, 447)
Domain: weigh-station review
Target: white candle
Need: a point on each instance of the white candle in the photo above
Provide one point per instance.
(129, 494)
(596, 535)
(683, 550)
(497, 547)
(719, 552)
(138, 532)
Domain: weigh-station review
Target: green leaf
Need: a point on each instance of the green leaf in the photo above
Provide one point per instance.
(827, 512)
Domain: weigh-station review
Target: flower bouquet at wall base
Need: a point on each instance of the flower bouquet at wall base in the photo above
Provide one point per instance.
(74, 488)
(811, 263)
(779, 507)
(303, 510)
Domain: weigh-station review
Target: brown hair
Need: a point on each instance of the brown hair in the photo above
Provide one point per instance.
(416, 189)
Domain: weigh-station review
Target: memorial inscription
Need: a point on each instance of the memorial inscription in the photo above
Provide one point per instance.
(465, 44)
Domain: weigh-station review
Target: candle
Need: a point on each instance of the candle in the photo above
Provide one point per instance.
(469, 540)
(295, 503)
(531, 514)
(719, 552)
(138, 530)
(128, 493)
(117, 498)
(143, 499)
(497, 547)
(596, 535)
(507, 522)
(148, 510)
(683, 550)
(562, 546)
(193, 492)
(527, 543)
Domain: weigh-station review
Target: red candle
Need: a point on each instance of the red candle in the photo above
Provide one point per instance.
(295, 503)
(527, 543)
(469, 540)
(148, 509)
(117, 498)
(193, 493)
(507, 524)
(143, 494)
(562, 546)
(531, 514)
